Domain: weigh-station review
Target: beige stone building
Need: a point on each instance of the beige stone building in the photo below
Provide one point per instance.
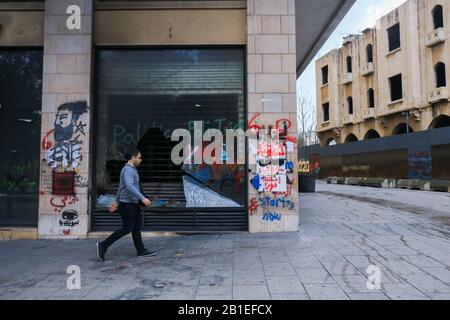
(82, 81)
(391, 79)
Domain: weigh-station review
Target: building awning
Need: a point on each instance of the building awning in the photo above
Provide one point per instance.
(315, 21)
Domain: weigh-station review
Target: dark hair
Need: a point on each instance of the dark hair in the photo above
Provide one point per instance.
(131, 153)
(78, 108)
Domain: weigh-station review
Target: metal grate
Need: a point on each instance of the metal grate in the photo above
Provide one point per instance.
(208, 220)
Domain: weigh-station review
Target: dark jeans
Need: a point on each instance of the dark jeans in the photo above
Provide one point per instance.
(131, 222)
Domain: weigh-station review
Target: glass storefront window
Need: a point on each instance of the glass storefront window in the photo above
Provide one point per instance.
(20, 127)
(143, 96)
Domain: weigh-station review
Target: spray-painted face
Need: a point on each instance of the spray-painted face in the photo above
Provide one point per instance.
(64, 125)
(64, 118)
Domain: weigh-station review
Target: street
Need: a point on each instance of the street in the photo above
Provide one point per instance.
(348, 234)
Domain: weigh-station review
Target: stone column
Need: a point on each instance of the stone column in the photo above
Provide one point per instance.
(271, 64)
(66, 114)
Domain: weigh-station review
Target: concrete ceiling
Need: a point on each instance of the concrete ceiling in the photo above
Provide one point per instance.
(315, 21)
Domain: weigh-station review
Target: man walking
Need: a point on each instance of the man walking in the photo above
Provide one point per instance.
(128, 200)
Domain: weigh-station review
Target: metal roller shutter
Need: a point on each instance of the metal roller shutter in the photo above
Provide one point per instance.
(145, 94)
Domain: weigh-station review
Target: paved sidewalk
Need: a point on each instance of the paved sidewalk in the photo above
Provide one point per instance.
(344, 230)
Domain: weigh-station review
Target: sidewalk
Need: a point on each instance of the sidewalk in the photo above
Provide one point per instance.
(340, 238)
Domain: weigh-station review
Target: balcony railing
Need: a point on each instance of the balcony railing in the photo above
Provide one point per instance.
(368, 69)
(435, 37)
(369, 113)
(348, 78)
(438, 94)
(348, 119)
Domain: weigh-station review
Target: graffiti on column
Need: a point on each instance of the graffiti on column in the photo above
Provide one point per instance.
(61, 202)
(272, 216)
(253, 207)
(69, 219)
(68, 133)
(274, 176)
(62, 158)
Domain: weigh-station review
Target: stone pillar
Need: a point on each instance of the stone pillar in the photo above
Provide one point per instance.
(271, 64)
(66, 114)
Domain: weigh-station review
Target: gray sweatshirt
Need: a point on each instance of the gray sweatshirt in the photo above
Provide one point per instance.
(129, 190)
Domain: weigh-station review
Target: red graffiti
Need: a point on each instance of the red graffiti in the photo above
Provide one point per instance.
(281, 125)
(46, 144)
(64, 201)
(66, 232)
(288, 192)
(272, 182)
(73, 199)
(253, 206)
(271, 150)
(286, 124)
(252, 125)
(292, 139)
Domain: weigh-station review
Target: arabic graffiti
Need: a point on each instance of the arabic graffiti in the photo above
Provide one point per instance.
(60, 202)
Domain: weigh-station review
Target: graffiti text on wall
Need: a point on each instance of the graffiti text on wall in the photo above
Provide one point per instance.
(69, 219)
(61, 202)
(274, 176)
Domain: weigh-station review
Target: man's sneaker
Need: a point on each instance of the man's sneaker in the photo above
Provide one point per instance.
(101, 250)
(147, 253)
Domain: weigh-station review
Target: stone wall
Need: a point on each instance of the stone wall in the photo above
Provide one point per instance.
(66, 113)
(271, 58)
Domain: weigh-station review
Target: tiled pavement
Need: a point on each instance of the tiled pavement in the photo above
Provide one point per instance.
(404, 233)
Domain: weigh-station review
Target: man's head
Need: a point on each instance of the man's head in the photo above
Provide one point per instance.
(134, 157)
(66, 118)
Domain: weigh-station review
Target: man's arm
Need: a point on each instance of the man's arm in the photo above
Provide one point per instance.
(117, 195)
(143, 193)
(128, 179)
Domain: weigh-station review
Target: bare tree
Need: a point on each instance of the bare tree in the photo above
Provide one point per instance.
(306, 119)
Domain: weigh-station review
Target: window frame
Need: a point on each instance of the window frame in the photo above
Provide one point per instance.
(391, 79)
(392, 43)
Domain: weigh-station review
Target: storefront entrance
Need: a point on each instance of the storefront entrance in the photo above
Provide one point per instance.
(142, 96)
(20, 129)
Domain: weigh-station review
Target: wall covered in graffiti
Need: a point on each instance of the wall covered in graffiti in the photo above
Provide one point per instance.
(273, 169)
(65, 131)
(64, 176)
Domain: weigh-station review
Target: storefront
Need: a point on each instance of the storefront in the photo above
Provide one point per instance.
(20, 126)
(81, 82)
(143, 95)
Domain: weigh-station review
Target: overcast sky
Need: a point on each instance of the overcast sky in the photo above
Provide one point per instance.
(363, 14)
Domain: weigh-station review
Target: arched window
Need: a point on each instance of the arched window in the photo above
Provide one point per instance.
(442, 121)
(349, 64)
(351, 138)
(371, 98)
(441, 80)
(369, 53)
(372, 134)
(350, 105)
(331, 142)
(402, 128)
(438, 17)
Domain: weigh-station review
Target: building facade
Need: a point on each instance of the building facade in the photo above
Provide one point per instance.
(82, 81)
(389, 80)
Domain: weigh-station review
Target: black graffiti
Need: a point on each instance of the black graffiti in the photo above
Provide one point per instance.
(69, 219)
(67, 135)
(80, 181)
